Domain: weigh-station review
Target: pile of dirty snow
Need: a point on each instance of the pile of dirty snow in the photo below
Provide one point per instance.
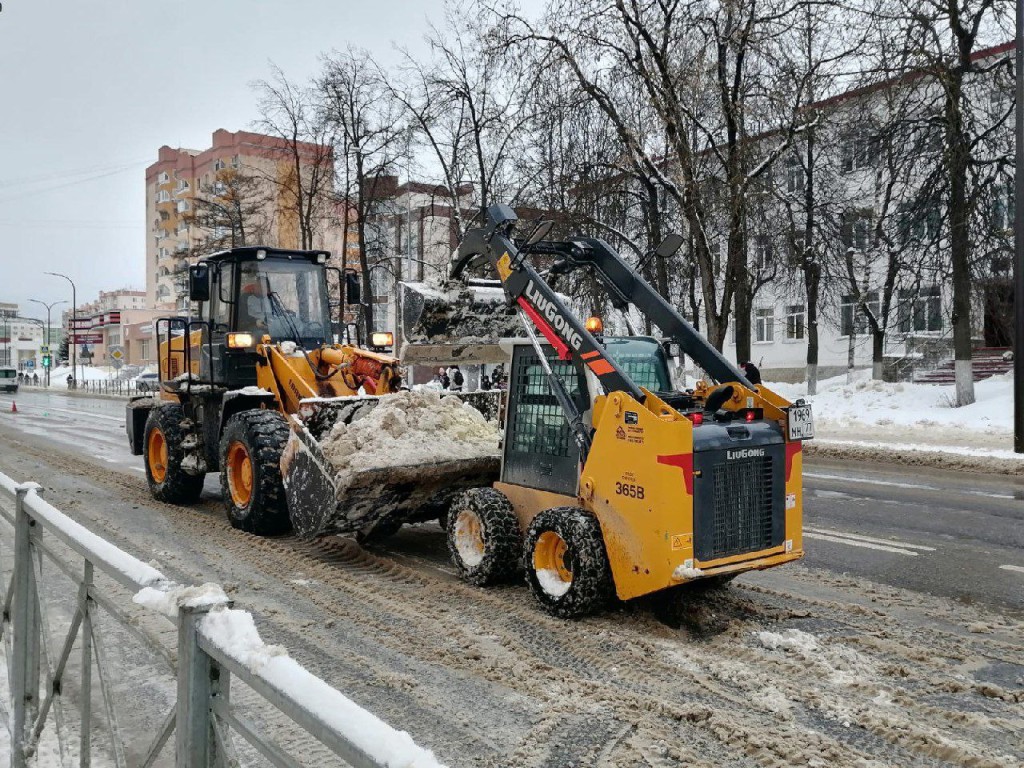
(910, 418)
(410, 428)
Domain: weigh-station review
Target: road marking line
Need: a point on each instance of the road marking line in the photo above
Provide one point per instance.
(1016, 568)
(916, 486)
(35, 410)
(869, 539)
(865, 544)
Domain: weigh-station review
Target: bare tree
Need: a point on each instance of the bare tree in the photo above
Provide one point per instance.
(304, 176)
(231, 211)
(696, 64)
(940, 43)
(356, 103)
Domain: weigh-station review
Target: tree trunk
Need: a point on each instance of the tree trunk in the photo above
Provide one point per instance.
(877, 353)
(740, 280)
(960, 246)
(811, 267)
(812, 279)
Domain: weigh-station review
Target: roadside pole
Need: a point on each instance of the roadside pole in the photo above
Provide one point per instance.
(1018, 239)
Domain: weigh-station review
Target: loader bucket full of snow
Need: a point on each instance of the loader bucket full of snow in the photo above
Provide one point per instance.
(461, 324)
(365, 463)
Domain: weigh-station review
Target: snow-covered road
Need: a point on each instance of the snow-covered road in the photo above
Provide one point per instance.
(807, 665)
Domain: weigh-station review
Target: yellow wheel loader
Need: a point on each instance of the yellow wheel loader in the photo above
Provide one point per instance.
(612, 482)
(232, 379)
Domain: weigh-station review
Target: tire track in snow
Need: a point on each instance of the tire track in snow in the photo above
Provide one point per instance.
(418, 609)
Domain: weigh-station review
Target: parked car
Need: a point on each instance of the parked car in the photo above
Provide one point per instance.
(9, 379)
(148, 382)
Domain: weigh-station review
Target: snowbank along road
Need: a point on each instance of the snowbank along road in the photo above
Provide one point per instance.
(898, 641)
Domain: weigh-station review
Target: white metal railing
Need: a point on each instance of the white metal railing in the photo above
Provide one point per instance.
(214, 643)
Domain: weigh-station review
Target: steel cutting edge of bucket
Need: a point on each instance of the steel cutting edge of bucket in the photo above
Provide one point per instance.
(462, 324)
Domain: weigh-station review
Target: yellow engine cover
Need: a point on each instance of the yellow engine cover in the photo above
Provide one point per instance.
(638, 481)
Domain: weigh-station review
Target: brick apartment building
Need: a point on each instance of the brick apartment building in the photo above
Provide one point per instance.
(253, 168)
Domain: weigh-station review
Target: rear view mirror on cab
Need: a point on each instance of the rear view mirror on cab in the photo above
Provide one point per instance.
(199, 282)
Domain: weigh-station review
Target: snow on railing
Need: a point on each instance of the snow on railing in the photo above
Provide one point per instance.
(215, 641)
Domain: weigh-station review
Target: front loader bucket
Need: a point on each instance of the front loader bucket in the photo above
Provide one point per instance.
(322, 499)
(449, 327)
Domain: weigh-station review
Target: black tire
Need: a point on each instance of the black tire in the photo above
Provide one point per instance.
(483, 537)
(260, 506)
(589, 585)
(169, 482)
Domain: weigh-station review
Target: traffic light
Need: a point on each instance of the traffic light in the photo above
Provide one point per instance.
(46, 361)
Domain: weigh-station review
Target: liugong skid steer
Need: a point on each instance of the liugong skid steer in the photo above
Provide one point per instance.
(612, 483)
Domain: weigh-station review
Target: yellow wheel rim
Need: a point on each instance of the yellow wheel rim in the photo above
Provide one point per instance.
(550, 564)
(469, 538)
(239, 474)
(156, 455)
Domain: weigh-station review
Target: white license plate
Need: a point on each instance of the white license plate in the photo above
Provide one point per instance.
(801, 423)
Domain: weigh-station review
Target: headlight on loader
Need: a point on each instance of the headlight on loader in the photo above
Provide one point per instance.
(382, 339)
(239, 340)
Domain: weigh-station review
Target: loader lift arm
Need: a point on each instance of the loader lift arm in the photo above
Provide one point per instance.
(625, 286)
(525, 288)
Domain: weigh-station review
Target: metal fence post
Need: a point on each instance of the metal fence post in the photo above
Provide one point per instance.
(200, 679)
(25, 626)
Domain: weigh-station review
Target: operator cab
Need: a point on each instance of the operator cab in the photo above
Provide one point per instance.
(245, 294)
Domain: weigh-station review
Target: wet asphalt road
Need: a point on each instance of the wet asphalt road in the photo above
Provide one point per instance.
(956, 535)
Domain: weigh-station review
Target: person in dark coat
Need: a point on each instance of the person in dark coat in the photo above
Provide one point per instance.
(750, 371)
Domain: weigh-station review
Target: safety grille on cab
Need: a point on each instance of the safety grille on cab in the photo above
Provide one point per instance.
(743, 506)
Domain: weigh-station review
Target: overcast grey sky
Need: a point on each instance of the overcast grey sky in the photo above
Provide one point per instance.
(90, 90)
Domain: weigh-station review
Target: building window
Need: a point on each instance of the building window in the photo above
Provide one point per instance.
(855, 231)
(764, 324)
(181, 186)
(919, 222)
(920, 311)
(164, 216)
(163, 196)
(794, 175)
(853, 319)
(794, 322)
(219, 188)
(859, 150)
(219, 165)
(930, 134)
(1001, 210)
(234, 162)
(163, 178)
(763, 252)
(183, 206)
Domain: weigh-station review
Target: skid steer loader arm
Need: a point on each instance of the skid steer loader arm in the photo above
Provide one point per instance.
(526, 289)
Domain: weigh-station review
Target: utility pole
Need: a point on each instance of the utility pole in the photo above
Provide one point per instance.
(48, 307)
(74, 319)
(1018, 239)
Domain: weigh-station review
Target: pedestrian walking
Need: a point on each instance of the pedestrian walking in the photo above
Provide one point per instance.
(457, 380)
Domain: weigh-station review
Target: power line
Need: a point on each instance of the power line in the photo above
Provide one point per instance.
(30, 193)
(30, 180)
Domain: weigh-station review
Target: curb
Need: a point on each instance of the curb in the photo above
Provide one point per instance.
(990, 465)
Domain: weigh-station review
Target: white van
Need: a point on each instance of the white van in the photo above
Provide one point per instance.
(8, 379)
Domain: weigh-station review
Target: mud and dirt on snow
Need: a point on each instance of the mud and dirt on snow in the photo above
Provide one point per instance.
(791, 666)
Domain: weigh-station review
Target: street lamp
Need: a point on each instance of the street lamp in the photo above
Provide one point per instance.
(48, 338)
(74, 318)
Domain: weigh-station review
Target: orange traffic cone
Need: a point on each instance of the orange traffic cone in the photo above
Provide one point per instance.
(14, 407)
